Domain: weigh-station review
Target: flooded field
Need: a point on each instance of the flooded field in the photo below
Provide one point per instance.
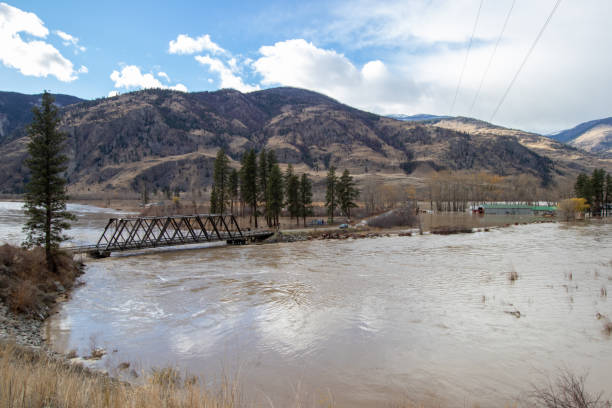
(367, 322)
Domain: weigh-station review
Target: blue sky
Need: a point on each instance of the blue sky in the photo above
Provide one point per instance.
(382, 56)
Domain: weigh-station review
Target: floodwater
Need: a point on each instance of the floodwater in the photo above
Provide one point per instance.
(370, 322)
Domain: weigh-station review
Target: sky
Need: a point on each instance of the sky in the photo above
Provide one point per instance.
(443, 57)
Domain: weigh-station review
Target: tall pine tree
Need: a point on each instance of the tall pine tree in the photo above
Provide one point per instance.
(305, 197)
(233, 188)
(45, 198)
(347, 193)
(292, 184)
(331, 193)
(275, 195)
(263, 173)
(220, 190)
(249, 186)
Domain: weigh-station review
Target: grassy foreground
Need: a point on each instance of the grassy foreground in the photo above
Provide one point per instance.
(31, 378)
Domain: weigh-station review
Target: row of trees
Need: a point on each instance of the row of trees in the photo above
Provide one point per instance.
(260, 186)
(340, 193)
(596, 189)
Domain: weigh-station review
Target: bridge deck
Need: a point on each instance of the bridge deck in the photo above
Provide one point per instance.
(123, 234)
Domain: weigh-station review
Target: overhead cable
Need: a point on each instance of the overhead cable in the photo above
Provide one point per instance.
(486, 71)
(467, 54)
(525, 59)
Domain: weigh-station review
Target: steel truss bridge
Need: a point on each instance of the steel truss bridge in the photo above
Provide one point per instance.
(122, 234)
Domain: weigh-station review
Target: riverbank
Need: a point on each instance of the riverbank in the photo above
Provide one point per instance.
(29, 291)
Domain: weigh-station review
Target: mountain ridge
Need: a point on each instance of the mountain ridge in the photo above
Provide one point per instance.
(168, 139)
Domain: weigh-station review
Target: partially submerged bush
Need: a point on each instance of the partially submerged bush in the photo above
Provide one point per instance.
(567, 391)
(400, 217)
(448, 230)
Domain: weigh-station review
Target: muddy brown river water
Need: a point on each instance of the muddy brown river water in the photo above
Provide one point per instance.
(367, 322)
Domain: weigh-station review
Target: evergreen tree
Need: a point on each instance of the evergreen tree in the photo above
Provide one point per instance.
(214, 200)
(598, 188)
(45, 198)
(275, 194)
(582, 188)
(331, 193)
(292, 184)
(220, 190)
(249, 186)
(233, 188)
(263, 173)
(305, 197)
(608, 201)
(347, 193)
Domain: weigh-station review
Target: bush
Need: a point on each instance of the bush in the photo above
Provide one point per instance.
(26, 283)
(400, 217)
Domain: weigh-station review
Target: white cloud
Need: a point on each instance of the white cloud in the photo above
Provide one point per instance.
(162, 74)
(130, 77)
(70, 40)
(34, 57)
(185, 44)
(113, 93)
(301, 64)
(83, 70)
(424, 42)
(227, 77)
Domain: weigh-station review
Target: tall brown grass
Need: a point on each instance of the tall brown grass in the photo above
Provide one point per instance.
(27, 284)
(32, 379)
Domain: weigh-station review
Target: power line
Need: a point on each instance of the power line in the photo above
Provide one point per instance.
(484, 75)
(466, 58)
(525, 59)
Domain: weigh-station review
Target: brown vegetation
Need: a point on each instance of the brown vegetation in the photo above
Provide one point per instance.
(27, 285)
(567, 391)
(400, 217)
(449, 230)
(33, 379)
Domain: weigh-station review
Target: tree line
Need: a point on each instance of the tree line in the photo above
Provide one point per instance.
(596, 189)
(260, 186)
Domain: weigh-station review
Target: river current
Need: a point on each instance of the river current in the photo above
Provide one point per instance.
(368, 322)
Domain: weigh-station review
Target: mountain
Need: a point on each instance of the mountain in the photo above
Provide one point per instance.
(16, 111)
(416, 118)
(169, 139)
(594, 136)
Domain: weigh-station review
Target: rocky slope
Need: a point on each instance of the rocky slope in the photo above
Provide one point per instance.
(16, 111)
(594, 136)
(168, 140)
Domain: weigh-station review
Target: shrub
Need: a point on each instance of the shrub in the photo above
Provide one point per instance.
(400, 217)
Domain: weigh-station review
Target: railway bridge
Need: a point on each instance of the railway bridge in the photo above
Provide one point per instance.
(130, 233)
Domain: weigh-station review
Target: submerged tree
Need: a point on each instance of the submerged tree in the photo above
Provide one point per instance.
(45, 198)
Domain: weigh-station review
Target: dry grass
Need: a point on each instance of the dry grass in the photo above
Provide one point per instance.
(567, 391)
(26, 283)
(32, 379)
(513, 276)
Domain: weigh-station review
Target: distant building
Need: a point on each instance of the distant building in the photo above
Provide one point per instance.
(518, 209)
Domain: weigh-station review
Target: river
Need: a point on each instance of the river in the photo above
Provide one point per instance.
(367, 322)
